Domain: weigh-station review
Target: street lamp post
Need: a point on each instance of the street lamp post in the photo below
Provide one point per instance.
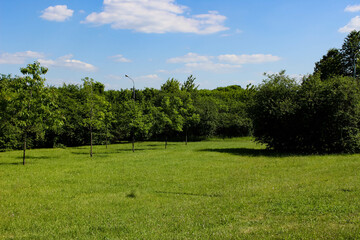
(133, 134)
(133, 86)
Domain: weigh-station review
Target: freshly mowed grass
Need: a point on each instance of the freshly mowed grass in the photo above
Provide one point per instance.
(219, 189)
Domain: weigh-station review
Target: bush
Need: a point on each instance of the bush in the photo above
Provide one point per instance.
(314, 117)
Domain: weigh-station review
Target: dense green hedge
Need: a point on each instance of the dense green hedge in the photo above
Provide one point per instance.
(314, 116)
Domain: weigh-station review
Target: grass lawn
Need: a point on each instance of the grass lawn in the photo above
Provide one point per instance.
(219, 189)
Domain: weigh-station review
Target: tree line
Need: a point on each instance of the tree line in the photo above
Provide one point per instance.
(319, 114)
(35, 115)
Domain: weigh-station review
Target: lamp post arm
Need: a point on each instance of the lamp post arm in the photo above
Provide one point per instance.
(133, 85)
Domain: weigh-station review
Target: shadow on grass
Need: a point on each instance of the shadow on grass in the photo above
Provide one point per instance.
(113, 151)
(9, 164)
(35, 157)
(188, 194)
(249, 152)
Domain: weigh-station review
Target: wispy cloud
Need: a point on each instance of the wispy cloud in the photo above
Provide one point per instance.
(149, 77)
(67, 61)
(352, 8)
(246, 59)
(354, 24)
(120, 58)
(58, 13)
(19, 57)
(145, 77)
(156, 16)
(190, 57)
(193, 61)
(237, 31)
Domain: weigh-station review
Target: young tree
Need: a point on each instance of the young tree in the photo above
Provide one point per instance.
(135, 121)
(93, 107)
(32, 103)
(169, 117)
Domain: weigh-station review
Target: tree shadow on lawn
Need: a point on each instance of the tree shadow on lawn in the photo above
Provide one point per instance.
(249, 152)
(28, 160)
(35, 157)
(9, 164)
(113, 151)
(189, 194)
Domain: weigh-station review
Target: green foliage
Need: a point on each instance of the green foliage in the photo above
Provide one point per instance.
(330, 113)
(171, 119)
(316, 116)
(330, 65)
(75, 112)
(9, 133)
(70, 100)
(94, 104)
(349, 51)
(273, 111)
(189, 85)
(32, 106)
(171, 86)
(93, 108)
(135, 120)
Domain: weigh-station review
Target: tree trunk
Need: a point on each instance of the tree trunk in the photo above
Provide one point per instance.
(133, 143)
(165, 142)
(24, 148)
(106, 140)
(91, 142)
(186, 136)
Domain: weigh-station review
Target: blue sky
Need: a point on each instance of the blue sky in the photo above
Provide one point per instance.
(220, 42)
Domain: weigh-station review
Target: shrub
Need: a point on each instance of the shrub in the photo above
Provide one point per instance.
(314, 116)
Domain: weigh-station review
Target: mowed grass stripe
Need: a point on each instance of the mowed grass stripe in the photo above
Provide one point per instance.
(218, 189)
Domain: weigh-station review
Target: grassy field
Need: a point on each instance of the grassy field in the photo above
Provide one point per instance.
(219, 189)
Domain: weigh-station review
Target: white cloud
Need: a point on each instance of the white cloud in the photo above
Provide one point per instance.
(120, 58)
(352, 8)
(149, 77)
(67, 62)
(19, 57)
(354, 24)
(193, 61)
(156, 16)
(237, 31)
(140, 78)
(114, 77)
(58, 13)
(190, 57)
(245, 59)
(211, 66)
